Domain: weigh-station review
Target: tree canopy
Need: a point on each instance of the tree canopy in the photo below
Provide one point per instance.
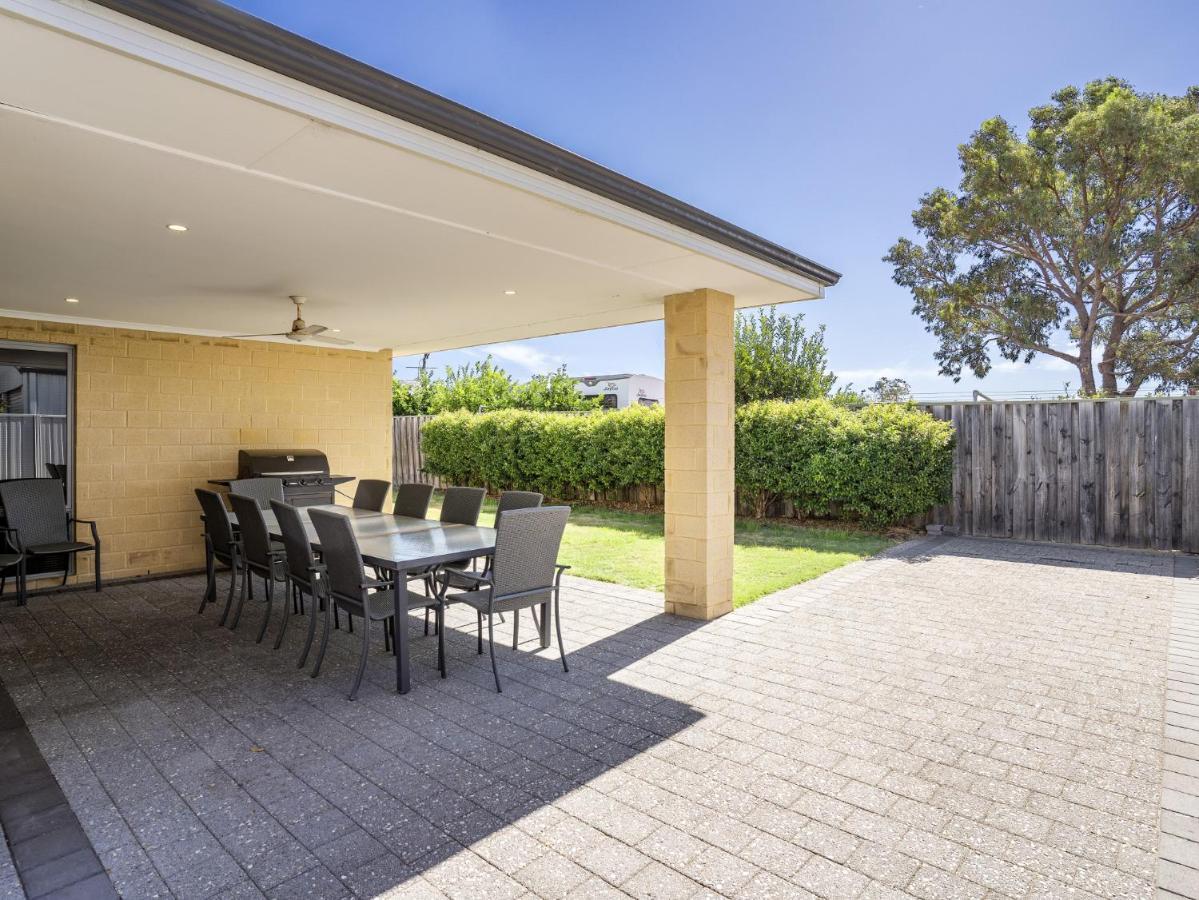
(1078, 240)
(483, 385)
(890, 390)
(776, 359)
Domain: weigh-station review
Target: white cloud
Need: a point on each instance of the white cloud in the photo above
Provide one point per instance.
(525, 356)
(1042, 361)
(928, 378)
(867, 377)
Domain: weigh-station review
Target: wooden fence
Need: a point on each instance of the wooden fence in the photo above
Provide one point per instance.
(407, 462)
(1117, 472)
(1123, 473)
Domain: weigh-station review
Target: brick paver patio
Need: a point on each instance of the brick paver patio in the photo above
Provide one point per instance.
(960, 718)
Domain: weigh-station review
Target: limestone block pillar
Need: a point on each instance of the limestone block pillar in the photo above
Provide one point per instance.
(699, 454)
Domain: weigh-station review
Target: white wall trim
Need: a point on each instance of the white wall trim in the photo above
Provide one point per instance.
(65, 319)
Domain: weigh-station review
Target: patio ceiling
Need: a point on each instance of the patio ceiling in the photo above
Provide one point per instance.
(400, 236)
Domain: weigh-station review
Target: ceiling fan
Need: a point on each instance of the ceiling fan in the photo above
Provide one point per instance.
(300, 330)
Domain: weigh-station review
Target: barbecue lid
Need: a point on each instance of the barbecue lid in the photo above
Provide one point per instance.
(251, 463)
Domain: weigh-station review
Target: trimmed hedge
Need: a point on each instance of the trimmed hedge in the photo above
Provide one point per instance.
(881, 465)
(550, 452)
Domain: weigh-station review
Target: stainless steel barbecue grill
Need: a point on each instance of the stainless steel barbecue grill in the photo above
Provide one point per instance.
(304, 473)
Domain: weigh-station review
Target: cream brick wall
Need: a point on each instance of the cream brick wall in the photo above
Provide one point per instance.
(699, 454)
(159, 414)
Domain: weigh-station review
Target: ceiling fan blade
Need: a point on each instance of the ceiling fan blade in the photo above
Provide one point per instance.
(333, 340)
(311, 329)
(274, 334)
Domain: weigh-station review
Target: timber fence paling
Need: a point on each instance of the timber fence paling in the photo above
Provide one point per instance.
(408, 463)
(1121, 472)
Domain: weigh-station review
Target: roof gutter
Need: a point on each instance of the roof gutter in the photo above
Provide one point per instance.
(228, 30)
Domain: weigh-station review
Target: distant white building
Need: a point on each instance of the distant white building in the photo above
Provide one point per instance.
(620, 391)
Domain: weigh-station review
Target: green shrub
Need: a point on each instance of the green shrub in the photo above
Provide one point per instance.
(880, 465)
(783, 453)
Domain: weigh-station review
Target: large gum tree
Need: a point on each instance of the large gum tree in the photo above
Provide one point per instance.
(1078, 240)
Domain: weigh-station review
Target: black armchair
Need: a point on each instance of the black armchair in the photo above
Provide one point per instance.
(40, 524)
(371, 493)
(347, 587)
(220, 545)
(524, 573)
(260, 556)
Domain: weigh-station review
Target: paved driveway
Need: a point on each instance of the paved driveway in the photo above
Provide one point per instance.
(962, 718)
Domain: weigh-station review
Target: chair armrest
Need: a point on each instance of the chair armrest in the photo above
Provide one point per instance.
(477, 578)
(14, 538)
(88, 522)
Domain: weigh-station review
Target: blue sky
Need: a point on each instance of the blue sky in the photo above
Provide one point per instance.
(817, 125)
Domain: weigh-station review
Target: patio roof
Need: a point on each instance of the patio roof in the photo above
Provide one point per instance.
(405, 218)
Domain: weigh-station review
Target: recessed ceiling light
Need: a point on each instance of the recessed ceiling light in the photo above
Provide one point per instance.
(335, 329)
(510, 293)
(72, 299)
(175, 226)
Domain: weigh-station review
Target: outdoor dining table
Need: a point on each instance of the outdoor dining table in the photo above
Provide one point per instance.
(401, 545)
(365, 522)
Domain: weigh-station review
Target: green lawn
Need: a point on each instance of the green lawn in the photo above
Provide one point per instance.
(627, 548)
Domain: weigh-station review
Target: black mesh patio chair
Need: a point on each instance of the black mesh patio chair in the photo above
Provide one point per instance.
(351, 589)
(39, 523)
(259, 556)
(262, 490)
(516, 500)
(10, 559)
(220, 545)
(371, 493)
(59, 471)
(460, 506)
(412, 499)
(524, 573)
(306, 575)
(509, 500)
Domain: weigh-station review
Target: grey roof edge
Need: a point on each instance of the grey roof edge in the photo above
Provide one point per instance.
(228, 30)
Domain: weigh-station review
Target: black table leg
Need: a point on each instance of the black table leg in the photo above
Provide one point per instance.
(401, 636)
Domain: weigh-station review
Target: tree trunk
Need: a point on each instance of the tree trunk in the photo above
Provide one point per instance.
(1086, 370)
(1107, 365)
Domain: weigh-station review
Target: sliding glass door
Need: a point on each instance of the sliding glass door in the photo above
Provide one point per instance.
(37, 427)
